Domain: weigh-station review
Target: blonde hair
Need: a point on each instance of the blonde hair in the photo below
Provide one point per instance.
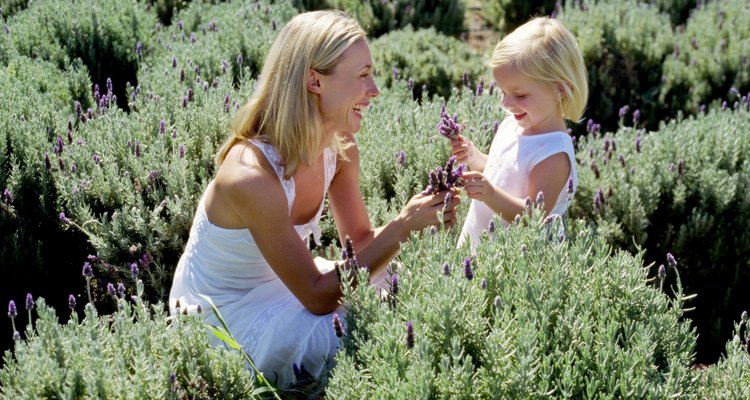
(281, 111)
(544, 50)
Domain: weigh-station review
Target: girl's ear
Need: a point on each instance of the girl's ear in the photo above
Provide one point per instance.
(313, 81)
(561, 90)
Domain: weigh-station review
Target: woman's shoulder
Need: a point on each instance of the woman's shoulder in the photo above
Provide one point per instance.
(245, 171)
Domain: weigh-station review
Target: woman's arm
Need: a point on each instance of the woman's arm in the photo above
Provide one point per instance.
(254, 195)
(376, 247)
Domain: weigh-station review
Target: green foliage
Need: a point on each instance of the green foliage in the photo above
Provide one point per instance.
(507, 15)
(379, 17)
(730, 378)
(710, 57)
(11, 7)
(685, 192)
(137, 352)
(428, 58)
(570, 319)
(624, 44)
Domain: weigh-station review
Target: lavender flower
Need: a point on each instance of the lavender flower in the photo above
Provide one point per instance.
(72, 302)
(29, 302)
(111, 290)
(465, 79)
(193, 39)
(491, 90)
(394, 284)
(395, 73)
(174, 62)
(134, 271)
(410, 83)
(7, 196)
(498, 302)
(595, 169)
(137, 148)
(401, 158)
(484, 284)
(409, 335)
(338, 327)
(624, 111)
(182, 75)
(449, 127)
(138, 48)
(671, 261)
(179, 24)
(87, 271)
(703, 109)
(446, 269)
(12, 311)
(182, 150)
(468, 273)
(447, 201)
(480, 87)
(16, 335)
(63, 218)
(162, 126)
(527, 203)
(680, 167)
(491, 228)
(47, 163)
(662, 273)
(540, 198)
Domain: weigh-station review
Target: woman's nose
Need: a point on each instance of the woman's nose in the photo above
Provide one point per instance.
(372, 89)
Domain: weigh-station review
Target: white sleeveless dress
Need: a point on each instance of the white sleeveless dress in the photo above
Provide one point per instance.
(225, 265)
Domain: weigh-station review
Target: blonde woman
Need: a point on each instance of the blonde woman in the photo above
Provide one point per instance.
(542, 78)
(292, 144)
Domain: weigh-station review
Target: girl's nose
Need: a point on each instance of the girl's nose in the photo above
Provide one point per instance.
(372, 89)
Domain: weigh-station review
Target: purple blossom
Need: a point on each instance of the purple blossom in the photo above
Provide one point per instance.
(671, 261)
(174, 62)
(224, 66)
(401, 158)
(137, 148)
(743, 317)
(395, 73)
(138, 48)
(447, 201)
(182, 75)
(571, 186)
(448, 126)
(182, 150)
(16, 334)
(72, 302)
(409, 334)
(87, 271)
(465, 79)
(624, 111)
(7, 196)
(723, 105)
(63, 218)
(662, 273)
(446, 269)
(239, 59)
(338, 327)
(121, 289)
(193, 39)
(162, 126)
(394, 284)
(540, 198)
(491, 228)
(468, 273)
(179, 24)
(498, 302)
(134, 271)
(680, 167)
(484, 284)
(491, 90)
(47, 163)
(480, 87)
(29, 302)
(111, 290)
(12, 311)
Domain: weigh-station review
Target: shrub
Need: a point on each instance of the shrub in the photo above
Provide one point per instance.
(137, 352)
(507, 15)
(682, 189)
(729, 378)
(427, 58)
(710, 58)
(624, 44)
(379, 17)
(538, 318)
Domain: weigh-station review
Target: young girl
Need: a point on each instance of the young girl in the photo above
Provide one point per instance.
(542, 78)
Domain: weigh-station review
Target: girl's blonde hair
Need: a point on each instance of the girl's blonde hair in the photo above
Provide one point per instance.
(543, 49)
(281, 111)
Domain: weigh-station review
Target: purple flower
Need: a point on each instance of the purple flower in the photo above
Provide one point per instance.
(59, 146)
(138, 48)
(134, 271)
(7, 196)
(409, 334)
(571, 186)
(394, 284)
(484, 284)
(182, 75)
(446, 269)
(624, 111)
(680, 167)
(703, 109)
(111, 290)
(192, 37)
(12, 311)
(72, 302)
(498, 301)
(480, 87)
(87, 271)
(395, 73)
(465, 79)
(224, 66)
(662, 272)
(491, 91)
(723, 105)
(47, 163)
(190, 95)
(182, 150)
(162, 126)
(109, 87)
(491, 228)
(63, 218)
(671, 261)
(636, 116)
(121, 289)
(595, 169)
(29, 302)
(540, 198)
(448, 126)
(338, 327)
(174, 62)
(179, 24)
(468, 273)
(447, 201)
(527, 203)
(410, 84)
(401, 158)
(239, 59)
(16, 335)
(137, 148)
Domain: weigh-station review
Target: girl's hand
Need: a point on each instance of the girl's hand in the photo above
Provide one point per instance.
(478, 187)
(468, 154)
(422, 210)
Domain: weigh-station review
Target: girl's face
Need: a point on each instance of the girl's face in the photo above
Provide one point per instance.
(534, 104)
(345, 93)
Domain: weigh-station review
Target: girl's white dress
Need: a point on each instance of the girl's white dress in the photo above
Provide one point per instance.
(225, 265)
(511, 158)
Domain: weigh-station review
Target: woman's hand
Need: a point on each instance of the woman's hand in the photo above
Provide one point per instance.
(466, 153)
(422, 210)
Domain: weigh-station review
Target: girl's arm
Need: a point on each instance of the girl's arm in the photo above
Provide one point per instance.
(468, 154)
(377, 247)
(548, 177)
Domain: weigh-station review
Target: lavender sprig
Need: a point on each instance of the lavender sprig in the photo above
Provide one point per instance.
(449, 127)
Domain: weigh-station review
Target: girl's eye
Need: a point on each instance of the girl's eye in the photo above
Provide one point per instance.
(520, 96)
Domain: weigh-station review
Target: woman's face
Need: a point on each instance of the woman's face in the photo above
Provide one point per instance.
(345, 93)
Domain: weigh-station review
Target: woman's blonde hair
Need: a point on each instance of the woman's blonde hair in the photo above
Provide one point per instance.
(281, 111)
(543, 49)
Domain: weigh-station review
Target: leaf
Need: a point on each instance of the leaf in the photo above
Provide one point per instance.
(224, 336)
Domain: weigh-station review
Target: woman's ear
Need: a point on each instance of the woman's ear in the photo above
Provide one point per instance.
(313, 81)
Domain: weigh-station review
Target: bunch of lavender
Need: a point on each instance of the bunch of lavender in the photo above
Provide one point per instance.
(445, 178)
(449, 127)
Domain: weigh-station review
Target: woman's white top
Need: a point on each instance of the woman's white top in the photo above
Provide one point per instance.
(511, 158)
(226, 266)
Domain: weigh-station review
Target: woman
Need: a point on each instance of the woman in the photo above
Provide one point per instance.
(292, 143)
